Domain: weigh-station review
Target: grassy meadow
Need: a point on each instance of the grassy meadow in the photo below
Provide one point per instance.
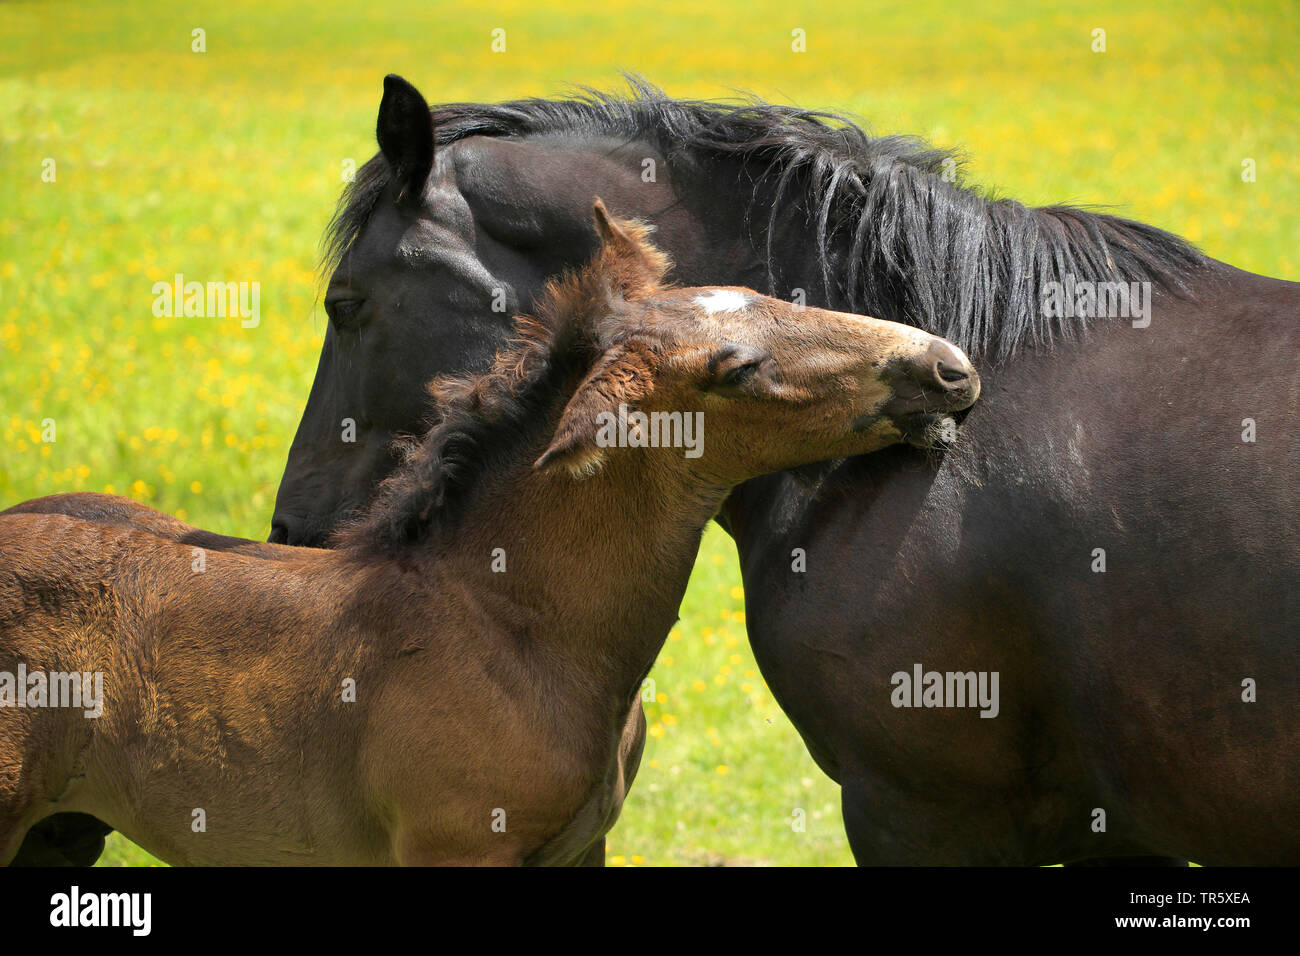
(226, 164)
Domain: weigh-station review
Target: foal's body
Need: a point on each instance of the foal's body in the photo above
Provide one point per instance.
(148, 539)
(407, 698)
(214, 710)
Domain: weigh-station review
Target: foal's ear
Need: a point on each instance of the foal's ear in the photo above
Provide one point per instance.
(622, 378)
(405, 134)
(628, 261)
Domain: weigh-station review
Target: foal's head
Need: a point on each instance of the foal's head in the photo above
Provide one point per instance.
(618, 364)
(742, 384)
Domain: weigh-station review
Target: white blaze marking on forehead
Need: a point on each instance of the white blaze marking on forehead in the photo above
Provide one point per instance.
(722, 300)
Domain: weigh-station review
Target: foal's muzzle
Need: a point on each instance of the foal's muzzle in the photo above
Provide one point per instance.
(938, 380)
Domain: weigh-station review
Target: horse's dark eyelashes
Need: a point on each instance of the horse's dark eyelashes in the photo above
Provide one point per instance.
(343, 312)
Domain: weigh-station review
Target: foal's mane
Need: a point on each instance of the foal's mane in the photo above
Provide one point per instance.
(483, 422)
(898, 234)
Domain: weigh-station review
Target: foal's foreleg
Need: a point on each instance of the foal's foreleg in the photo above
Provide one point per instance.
(595, 855)
(433, 857)
(65, 839)
(19, 811)
(1130, 861)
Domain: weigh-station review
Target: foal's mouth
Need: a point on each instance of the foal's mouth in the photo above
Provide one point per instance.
(922, 429)
(934, 430)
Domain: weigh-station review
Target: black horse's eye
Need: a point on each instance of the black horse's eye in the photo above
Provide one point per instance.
(343, 312)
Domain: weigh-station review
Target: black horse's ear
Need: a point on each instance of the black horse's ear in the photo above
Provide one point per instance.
(405, 134)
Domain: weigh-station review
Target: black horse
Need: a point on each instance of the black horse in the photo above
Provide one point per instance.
(1108, 550)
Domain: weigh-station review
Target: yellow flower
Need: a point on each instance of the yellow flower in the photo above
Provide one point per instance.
(196, 487)
(738, 593)
(723, 770)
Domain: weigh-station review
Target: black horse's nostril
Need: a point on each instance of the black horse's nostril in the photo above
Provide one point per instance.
(302, 532)
(282, 530)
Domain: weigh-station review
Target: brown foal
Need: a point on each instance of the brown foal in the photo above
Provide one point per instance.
(457, 682)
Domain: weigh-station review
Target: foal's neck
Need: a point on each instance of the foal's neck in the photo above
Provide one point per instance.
(589, 571)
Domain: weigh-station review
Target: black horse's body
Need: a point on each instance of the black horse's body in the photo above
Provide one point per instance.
(1121, 690)
(1122, 730)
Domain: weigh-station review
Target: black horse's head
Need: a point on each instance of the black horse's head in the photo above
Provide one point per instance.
(437, 246)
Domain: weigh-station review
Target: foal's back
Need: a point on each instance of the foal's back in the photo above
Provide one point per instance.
(219, 683)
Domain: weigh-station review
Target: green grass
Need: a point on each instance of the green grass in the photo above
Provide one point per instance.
(226, 165)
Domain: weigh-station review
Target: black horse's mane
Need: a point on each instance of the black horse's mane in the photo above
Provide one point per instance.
(898, 233)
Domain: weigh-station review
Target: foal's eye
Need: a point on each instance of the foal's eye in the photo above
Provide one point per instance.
(737, 375)
(343, 312)
(733, 366)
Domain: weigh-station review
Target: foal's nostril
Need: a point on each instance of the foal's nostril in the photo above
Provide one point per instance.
(950, 374)
(945, 367)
